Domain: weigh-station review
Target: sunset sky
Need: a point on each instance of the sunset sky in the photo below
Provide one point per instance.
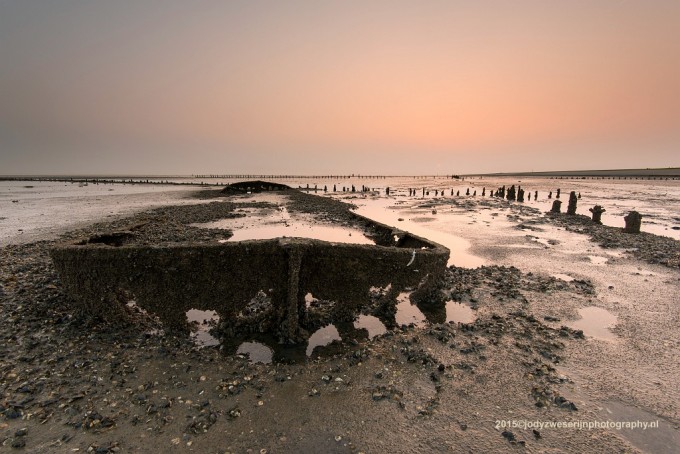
(306, 87)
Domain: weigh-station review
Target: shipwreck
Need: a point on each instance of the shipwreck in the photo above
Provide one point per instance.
(253, 285)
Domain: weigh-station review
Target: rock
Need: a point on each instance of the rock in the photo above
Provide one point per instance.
(18, 443)
(509, 435)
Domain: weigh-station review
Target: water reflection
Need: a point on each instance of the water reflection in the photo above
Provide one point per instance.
(371, 324)
(459, 313)
(201, 323)
(269, 223)
(323, 336)
(595, 322)
(379, 210)
(407, 312)
(257, 352)
(303, 230)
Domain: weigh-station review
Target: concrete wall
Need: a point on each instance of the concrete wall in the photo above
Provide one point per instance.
(169, 280)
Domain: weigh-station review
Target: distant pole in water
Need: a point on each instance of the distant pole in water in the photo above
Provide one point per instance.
(529, 196)
(467, 192)
(535, 195)
(458, 192)
(520, 195)
(451, 192)
(597, 211)
(571, 209)
(483, 192)
(558, 194)
(550, 195)
(633, 222)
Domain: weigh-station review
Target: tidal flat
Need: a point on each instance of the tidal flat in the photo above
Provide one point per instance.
(547, 318)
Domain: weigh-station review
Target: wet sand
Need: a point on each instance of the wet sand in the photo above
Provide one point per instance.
(75, 382)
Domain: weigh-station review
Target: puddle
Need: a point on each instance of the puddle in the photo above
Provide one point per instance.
(597, 260)
(458, 246)
(661, 438)
(322, 336)
(459, 313)
(257, 352)
(563, 277)
(595, 322)
(203, 321)
(276, 222)
(407, 312)
(371, 324)
(294, 229)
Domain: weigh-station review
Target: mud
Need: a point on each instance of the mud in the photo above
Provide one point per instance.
(71, 380)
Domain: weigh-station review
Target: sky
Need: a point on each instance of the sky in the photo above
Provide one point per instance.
(323, 87)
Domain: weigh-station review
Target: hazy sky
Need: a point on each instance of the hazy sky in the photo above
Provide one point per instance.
(393, 87)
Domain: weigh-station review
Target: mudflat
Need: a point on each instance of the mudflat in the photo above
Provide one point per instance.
(529, 358)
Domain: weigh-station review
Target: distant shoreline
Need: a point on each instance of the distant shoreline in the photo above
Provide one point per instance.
(656, 172)
(666, 172)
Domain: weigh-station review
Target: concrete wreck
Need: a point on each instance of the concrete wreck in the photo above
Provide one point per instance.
(255, 286)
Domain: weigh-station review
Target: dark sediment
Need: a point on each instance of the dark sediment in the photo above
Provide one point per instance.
(646, 246)
(118, 385)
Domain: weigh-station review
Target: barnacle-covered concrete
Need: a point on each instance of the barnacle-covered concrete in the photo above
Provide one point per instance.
(167, 279)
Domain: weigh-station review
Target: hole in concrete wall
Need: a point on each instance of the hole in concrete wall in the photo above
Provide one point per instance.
(201, 322)
(259, 305)
(377, 292)
(322, 336)
(138, 315)
(309, 299)
(371, 324)
(407, 312)
(256, 317)
(256, 352)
